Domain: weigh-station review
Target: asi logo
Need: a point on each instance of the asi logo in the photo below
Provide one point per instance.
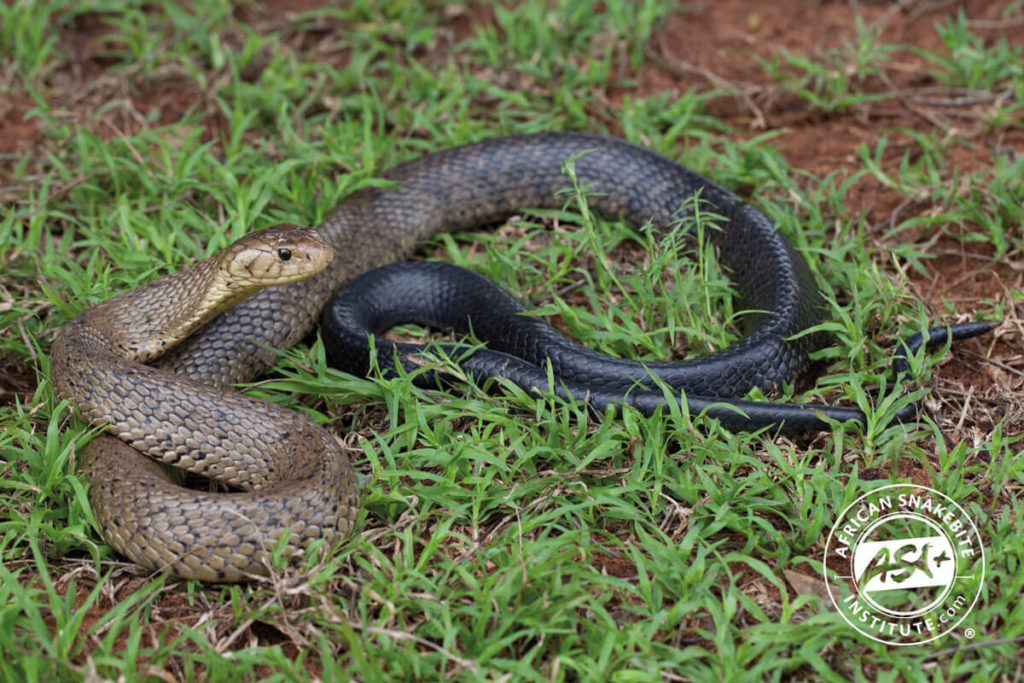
(912, 560)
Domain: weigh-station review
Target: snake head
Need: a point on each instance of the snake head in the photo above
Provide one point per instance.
(275, 256)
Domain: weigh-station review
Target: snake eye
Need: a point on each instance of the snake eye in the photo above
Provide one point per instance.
(285, 254)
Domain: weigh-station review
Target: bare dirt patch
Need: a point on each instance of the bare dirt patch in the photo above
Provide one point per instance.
(17, 381)
(18, 132)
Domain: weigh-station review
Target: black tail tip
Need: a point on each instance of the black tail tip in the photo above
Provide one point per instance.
(974, 328)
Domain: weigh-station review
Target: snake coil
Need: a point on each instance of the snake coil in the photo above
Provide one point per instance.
(166, 397)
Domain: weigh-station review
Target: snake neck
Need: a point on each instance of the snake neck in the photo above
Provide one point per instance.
(141, 325)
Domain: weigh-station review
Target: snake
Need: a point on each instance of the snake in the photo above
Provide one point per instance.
(156, 366)
(532, 355)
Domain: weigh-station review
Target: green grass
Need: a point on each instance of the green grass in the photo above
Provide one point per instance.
(833, 82)
(501, 536)
(970, 63)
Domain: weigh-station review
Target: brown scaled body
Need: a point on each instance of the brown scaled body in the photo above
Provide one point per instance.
(296, 479)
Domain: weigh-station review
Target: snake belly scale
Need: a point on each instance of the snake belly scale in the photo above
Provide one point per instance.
(171, 402)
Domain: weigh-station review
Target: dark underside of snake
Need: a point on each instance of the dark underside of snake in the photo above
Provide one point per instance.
(540, 360)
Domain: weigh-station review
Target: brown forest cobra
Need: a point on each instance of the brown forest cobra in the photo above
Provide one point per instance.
(155, 369)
